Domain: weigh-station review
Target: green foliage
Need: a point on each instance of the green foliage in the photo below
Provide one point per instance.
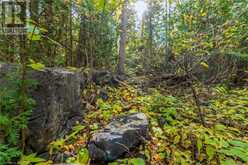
(82, 157)
(221, 89)
(131, 161)
(232, 106)
(137, 161)
(12, 120)
(31, 159)
(204, 65)
(166, 106)
(236, 149)
(240, 58)
(8, 153)
(59, 144)
(210, 151)
(75, 130)
(56, 145)
(36, 65)
(196, 22)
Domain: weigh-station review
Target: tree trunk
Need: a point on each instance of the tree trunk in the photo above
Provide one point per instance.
(168, 54)
(70, 59)
(150, 38)
(49, 23)
(34, 11)
(81, 56)
(69, 38)
(123, 37)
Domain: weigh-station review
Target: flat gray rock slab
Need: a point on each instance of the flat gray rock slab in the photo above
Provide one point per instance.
(118, 137)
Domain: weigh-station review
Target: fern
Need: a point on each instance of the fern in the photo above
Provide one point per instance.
(30, 159)
(239, 58)
(12, 121)
(7, 153)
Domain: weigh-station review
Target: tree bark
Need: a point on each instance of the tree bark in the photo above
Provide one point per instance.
(123, 37)
(70, 60)
(168, 53)
(81, 54)
(34, 11)
(69, 37)
(49, 23)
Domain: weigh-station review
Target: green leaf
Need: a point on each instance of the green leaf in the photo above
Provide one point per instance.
(137, 161)
(236, 152)
(94, 126)
(238, 143)
(33, 33)
(100, 4)
(204, 65)
(56, 145)
(212, 141)
(199, 145)
(30, 159)
(228, 162)
(113, 163)
(83, 156)
(34, 37)
(76, 129)
(210, 150)
(37, 66)
(177, 139)
(220, 127)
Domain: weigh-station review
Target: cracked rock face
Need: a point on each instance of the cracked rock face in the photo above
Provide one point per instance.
(58, 104)
(118, 137)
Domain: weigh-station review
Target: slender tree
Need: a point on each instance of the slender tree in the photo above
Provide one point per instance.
(49, 26)
(81, 44)
(123, 37)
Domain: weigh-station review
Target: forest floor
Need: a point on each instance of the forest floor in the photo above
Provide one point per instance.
(177, 135)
